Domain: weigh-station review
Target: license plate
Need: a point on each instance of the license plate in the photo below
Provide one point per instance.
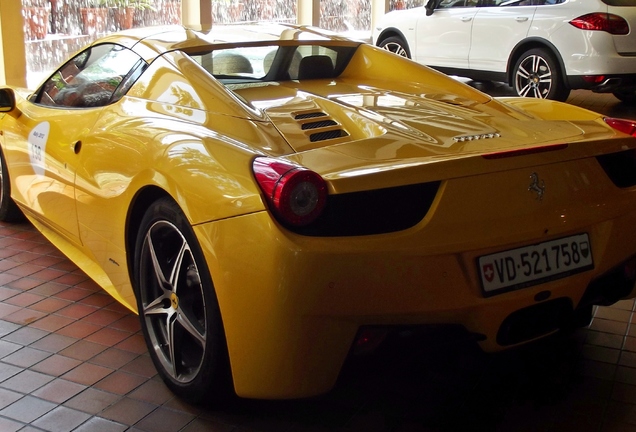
(535, 264)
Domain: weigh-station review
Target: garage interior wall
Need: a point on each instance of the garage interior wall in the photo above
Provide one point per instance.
(13, 68)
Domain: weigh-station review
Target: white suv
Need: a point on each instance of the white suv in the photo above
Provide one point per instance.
(542, 48)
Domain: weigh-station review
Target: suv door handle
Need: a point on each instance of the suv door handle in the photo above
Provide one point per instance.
(521, 19)
(466, 18)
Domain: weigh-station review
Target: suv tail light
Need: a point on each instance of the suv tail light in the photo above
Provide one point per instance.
(610, 23)
(295, 194)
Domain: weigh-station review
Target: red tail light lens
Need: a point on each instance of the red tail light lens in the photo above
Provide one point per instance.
(623, 125)
(610, 23)
(594, 79)
(295, 194)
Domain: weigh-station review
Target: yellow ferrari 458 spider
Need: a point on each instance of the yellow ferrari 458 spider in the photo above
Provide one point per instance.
(271, 200)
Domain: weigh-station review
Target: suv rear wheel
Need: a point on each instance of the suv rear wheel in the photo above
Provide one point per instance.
(396, 45)
(629, 97)
(537, 74)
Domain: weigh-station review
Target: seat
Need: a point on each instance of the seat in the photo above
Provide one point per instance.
(315, 67)
(228, 64)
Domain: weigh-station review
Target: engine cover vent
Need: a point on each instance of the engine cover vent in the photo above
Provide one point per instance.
(323, 126)
(323, 136)
(310, 115)
(318, 124)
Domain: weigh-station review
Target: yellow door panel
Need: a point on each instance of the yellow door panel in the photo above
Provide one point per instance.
(41, 151)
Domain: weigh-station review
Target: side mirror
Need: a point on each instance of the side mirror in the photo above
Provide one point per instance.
(7, 100)
(430, 7)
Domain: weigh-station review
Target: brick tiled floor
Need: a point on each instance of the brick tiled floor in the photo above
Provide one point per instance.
(72, 359)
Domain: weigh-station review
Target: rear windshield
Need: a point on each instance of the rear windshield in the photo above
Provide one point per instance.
(275, 63)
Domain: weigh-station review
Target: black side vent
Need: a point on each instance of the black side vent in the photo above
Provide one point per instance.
(620, 167)
(310, 115)
(325, 127)
(318, 124)
(323, 136)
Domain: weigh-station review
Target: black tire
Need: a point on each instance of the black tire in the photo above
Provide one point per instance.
(629, 97)
(9, 211)
(537, 74)
(396, 45)
(178, 309)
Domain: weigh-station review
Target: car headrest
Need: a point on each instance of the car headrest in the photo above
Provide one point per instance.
(229, 64)
(315, 67)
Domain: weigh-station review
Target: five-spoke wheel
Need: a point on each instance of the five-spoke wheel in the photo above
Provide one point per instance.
(177, 305)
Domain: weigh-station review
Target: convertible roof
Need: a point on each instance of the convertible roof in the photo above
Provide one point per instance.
(151, 42)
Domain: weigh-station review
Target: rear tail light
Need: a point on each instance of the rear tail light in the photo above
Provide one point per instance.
(623, 125)
(629, 270)
(606, 22)
(620, 167)
(295, 194)
(368, 340)
(298, 199)
(594, 79)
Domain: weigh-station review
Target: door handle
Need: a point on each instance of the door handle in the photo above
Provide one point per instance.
(466, 18)
(77, 147)
(521, 19)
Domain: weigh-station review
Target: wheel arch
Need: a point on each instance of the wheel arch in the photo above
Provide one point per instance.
(136, 211)
(389, 32)
(529, 44)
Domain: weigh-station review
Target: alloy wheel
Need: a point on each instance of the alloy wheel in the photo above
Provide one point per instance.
(173, 302)
(533, 77)
(396, 48)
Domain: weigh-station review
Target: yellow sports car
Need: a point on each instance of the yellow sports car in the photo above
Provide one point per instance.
(272, 200)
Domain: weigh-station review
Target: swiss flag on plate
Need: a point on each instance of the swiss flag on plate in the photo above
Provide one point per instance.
(488, 271)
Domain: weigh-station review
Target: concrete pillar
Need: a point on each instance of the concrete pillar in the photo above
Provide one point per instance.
(378, 9)
(196, 13)
(308, 12)
(12, 48)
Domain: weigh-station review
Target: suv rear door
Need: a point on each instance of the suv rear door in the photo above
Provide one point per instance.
(443, 38)
(497, 28)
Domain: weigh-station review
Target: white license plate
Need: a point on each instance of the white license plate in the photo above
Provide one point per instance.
(535, 264)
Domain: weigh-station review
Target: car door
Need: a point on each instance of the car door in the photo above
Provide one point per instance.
(44, 153)
(497, 28)
(44, 164)
(443, 38)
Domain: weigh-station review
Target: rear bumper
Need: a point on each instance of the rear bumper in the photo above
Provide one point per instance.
(606, 84)
(292, 305)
